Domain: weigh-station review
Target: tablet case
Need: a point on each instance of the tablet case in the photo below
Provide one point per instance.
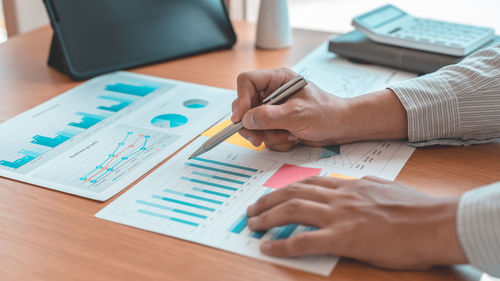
(92, 37)
(356, 46)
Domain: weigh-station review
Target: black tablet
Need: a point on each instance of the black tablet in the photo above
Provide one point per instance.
(97, 36)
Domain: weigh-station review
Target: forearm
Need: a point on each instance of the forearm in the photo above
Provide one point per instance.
(375, 116)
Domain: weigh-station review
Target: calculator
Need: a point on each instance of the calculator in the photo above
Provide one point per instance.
(392, 26)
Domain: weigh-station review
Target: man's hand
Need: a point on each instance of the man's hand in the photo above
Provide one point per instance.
(377, 221)
(313, 116)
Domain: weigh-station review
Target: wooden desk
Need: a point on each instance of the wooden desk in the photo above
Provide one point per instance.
(49, 235)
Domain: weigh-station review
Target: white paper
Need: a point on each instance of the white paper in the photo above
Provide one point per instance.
(178, 198)
(340, 77)
(94, 142)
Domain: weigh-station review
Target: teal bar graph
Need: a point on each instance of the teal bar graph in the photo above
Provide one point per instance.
(184, 203)
(218, 170)
(226, 164)
(136, 90)
(122, 103)
(210, 183)
(167, 217)
(171, 209)
(29, 155)
(211, 192)
(258, 234)
(239, 225)
(285, 232)
(88, 120)
(193, 196)
(49, 142)
(218, 178)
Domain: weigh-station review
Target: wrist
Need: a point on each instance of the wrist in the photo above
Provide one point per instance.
(375, 116)
(441, 243)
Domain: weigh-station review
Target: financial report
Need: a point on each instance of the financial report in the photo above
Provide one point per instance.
(99, 137)
(204, 199)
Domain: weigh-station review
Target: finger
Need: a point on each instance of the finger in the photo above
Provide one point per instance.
(328, 182)
(273, 117)
(279, 140)
(256, 85)
(277, 137)
(301, 244)
(253, 136)
(297, 211)
(376, 179)
(284, 147)
(295, 190)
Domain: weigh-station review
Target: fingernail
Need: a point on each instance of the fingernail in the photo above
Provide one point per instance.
(251, 122)
(265, 247)
(292, 138)
(252, 222)
(235, 113)
(251, 210)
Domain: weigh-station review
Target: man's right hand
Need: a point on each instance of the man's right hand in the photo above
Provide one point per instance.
(311, 116)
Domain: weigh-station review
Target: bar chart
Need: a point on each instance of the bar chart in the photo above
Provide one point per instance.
(204, 200)
(204, 186)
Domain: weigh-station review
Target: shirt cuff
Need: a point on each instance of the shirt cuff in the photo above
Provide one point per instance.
(433, 114)
(478, 227)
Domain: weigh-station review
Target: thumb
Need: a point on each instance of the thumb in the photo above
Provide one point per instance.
(266, 117)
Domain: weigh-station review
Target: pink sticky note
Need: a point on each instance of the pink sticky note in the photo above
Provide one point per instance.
(288, 174)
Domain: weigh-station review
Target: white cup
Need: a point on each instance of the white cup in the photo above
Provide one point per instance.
(273, 27)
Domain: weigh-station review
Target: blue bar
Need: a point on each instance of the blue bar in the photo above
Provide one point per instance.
(18, 163)
(118, 99)
(239, 225)
(258, 234)
(209, 183)
(285, 232)
(226, 164)
(117, 107)
(49, 142)
(212, 192)
(88, 120)
(218, 170)
(183, 203)
(93, 116)
(217, 177)
(68, 133)
(171, 209)
(128, 89)
(193, 196)
(29, 153)
(166, 217)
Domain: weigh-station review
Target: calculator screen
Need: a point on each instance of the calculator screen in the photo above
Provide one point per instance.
(380, 17)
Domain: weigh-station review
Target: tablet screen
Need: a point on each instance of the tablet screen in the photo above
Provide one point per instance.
(98, 36)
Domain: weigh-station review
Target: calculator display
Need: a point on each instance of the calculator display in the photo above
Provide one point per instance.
(380, 17)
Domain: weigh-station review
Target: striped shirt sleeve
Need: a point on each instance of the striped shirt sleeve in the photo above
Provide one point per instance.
(460, 105)
(478, 227)
(457, 105)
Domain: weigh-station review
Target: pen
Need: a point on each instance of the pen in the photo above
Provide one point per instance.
(280, 95)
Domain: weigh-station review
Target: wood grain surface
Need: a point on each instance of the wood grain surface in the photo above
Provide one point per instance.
(49, 235)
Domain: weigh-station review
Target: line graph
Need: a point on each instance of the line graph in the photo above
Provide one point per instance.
(110, 163)
(108, 157)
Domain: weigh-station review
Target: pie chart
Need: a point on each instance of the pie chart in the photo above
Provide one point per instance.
(195, 103)
(169, 120)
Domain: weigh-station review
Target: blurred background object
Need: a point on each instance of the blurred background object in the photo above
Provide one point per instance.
(336, 15)
(23, 15)
(3, 31)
